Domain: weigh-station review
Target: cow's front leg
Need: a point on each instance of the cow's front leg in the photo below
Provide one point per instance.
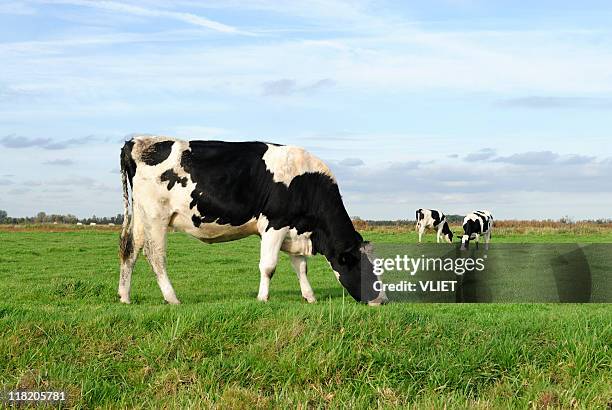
(300, 266)
(271, 242)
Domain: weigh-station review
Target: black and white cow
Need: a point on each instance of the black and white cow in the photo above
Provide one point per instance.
(223, 191)
(433, 219)
(475, 224)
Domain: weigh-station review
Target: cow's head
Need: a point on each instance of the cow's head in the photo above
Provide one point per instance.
(355, 271)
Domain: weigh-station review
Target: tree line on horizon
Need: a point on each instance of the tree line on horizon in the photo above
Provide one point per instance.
(458, 219)
(44, 218)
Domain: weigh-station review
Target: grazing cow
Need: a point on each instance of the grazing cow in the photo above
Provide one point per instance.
(433, 219)
(223, 191)
(475, 224)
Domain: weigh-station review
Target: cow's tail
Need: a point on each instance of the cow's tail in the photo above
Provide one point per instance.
(126, 242)
(126, 201)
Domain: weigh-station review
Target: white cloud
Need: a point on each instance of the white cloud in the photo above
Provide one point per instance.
(61, 162)
(553, 190)
(530, 158)
(118, 7)
(526, 172)
(352, 162)
(19, 142)
(16, 8)
(554, 102)
(284, 86)
(337, 12)
(287, 86)
(483, 154)
(392, 57)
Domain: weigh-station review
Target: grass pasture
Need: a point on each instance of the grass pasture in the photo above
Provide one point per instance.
(62, 328)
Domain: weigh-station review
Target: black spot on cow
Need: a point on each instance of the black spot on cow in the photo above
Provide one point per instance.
(173, 178)
(419, 214)
(229, 174)
(471, 227)
(485, 221)
(437, 217)
(447, 231)
(233, 186)
(157, 153)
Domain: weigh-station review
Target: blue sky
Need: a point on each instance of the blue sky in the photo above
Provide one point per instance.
(454, 104)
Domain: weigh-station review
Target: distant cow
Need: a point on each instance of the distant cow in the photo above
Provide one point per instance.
(476, 224)
(223, 191)
(433, 219)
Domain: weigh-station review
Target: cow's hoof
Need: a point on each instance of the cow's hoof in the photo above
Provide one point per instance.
(310, 299)
(381, 300)
(173, 302)
(124, 299)
(262, 298)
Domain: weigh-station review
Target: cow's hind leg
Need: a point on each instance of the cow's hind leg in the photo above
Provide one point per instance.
(300, 267)
(131, 242)
(155, 250)
(271, 242)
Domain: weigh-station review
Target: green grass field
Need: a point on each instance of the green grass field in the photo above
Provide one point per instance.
(62, 328)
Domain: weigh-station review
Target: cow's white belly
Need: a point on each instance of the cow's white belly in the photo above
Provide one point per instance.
(213, 232)
(294, 243)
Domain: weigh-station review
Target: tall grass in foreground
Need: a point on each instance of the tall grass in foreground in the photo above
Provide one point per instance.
(61, 327)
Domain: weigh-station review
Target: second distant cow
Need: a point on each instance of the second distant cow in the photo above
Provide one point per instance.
(433, 219)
